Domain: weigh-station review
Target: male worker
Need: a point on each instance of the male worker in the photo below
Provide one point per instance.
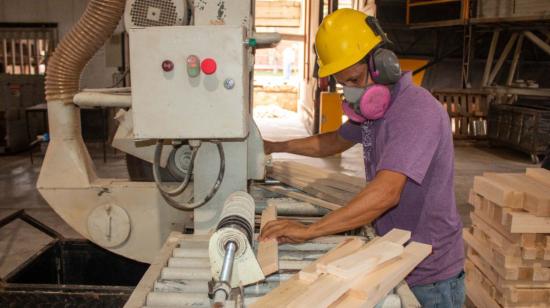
(408, 152)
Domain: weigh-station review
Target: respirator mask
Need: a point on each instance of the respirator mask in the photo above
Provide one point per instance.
(371, 102)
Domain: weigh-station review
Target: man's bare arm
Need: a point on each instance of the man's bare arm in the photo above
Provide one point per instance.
(321, 145)
(380, 195)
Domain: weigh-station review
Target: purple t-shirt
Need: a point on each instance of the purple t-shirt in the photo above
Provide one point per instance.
(414, 138)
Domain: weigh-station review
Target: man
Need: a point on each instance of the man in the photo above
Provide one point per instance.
(408, 151)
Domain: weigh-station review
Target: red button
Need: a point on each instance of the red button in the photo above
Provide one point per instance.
(208, 66)
(167, 65)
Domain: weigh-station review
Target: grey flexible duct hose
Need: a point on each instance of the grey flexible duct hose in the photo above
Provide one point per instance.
(167, 195)
(77, 48)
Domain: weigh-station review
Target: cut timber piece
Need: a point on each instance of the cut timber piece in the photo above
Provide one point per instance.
(314, 191)
(486, 253)
(268, 256)
(346, 247)
(521, 222)
(293, 287)
(321, 181)
(508, 221)
(477, 294)
(498, 192)
(370, 289)
(396, 236)
(328, 287)
(322, 173)
(302, 197)
(536, 195)
(364, 260)
(539, 174)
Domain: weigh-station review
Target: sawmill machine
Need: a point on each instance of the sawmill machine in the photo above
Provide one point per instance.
(188, 111)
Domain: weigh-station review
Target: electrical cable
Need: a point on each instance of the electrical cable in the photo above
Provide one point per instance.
(156, 171)
(188, 206)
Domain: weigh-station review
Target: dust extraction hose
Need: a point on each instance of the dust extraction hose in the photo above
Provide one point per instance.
(77, 48)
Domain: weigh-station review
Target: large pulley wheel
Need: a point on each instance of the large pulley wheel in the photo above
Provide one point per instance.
(179, 162)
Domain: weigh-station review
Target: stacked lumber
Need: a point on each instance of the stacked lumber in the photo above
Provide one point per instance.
(508, 257)
(333, 187)
(352, 274)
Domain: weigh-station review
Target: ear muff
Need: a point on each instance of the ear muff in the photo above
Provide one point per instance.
(384, 66)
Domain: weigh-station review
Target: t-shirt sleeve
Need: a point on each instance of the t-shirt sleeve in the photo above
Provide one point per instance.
(350, 131)
(411, 144)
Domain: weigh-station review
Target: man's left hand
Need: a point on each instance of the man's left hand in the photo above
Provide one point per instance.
(285, 231)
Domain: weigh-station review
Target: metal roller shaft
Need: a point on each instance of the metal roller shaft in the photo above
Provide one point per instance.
(227, 267)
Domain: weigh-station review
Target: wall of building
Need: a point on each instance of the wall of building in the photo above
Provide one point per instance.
(99, 71)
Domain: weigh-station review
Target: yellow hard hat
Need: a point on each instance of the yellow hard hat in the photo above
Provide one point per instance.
(343, 39)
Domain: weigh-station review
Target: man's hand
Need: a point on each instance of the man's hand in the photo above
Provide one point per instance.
(285, 231)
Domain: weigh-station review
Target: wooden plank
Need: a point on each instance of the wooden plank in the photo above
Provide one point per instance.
(395, 235)
(498, 191)
(328, 287)
(346, 247)
(294, 286)
(302, 197)
(521, 222)
(316, 180)
(364, 260)
(268, 255)
(539, 174)
(310, 190)
(536, 195)
(510, 223)
(506, 258)
(508, 296)
(525, 276)
(373, 287)
(479, 296)
(507, 273)
(315, 172)
(305, 183)
(496, 237)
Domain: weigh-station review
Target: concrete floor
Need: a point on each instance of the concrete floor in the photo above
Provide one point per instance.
(19, 241)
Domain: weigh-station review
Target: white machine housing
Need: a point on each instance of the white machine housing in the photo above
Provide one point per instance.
(155, 13)
(201, 107)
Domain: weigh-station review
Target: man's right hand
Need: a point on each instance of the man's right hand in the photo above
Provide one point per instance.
(314, 146)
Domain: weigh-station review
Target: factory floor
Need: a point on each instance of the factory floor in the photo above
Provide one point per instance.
(19, 241)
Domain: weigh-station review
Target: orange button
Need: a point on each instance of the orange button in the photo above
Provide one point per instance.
(208, 66)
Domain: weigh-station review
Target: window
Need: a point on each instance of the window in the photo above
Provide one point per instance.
(25, 48)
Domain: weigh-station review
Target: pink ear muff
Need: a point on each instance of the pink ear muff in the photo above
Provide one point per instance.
(374, 102)
(352, 115)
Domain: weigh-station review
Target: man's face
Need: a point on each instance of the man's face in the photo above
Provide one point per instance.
(354, 76)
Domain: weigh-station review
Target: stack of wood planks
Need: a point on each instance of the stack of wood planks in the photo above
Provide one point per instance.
(333, 187)
(353, 274)
(508, 257)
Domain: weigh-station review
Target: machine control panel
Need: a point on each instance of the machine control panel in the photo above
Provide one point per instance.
(189, 82)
